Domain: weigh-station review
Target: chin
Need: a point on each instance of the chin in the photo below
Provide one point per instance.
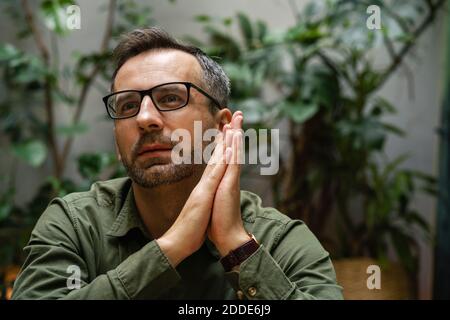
(160, 174)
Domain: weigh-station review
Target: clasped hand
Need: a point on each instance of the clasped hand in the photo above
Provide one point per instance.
(213, 207)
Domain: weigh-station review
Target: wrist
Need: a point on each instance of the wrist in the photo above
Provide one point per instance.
(174, 252)
(234, 259)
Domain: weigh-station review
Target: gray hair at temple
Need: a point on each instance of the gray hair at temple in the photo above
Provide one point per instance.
(215, 81)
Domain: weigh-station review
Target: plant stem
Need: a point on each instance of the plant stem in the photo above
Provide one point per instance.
(398, 58)
(47, 89)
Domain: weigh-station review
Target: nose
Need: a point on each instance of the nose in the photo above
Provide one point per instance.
(149, 118)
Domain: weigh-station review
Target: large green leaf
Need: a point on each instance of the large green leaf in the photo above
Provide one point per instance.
(413, 217)
(229, 46)
(403, 245)
(54, 14)
(299, 112)
(33, 152)
(8, 52)
(246, 29)
(5, 210)
(305, 34)
(91, 165)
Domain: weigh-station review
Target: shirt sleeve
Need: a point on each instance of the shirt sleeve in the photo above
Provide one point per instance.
(296, 267)
(54, 246)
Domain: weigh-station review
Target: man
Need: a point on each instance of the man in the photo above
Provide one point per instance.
(171, 231)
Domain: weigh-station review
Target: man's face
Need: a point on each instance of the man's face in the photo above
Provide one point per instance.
(150, 126)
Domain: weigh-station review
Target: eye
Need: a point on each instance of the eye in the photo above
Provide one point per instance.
(128, 107)
(170, 99)
(170, 96)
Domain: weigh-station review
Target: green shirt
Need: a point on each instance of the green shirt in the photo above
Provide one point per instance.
(100, 233)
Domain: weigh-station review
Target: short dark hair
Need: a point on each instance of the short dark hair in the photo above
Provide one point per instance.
(215, 81)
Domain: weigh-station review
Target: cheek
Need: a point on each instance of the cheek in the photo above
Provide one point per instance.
(125, 138)
(188, 116)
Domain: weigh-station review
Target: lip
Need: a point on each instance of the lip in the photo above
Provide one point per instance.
(154, 149)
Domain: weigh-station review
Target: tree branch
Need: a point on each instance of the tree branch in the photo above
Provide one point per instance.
(295, 10)
(329, 63)
(29, 18)
(398, 58)
(87, 85)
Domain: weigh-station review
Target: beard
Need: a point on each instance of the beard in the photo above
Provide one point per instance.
(156, 171)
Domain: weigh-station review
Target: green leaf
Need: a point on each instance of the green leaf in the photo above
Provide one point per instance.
(5, 210)
(227, 21)
(261, 30)
(382, 105)
(393, 165)
(413, 217)
(202, 18)
(225, 42)
(32, 152)
(7, 52)
(246, 29)
(393, 129)
(21, 69)
(91, 165)
(54, 14)
(304, 34)
(254, 109)
(299, 112)
(403, 247)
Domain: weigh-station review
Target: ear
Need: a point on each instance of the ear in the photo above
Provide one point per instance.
(223, 117)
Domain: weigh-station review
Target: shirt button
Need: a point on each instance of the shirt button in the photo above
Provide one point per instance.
(240, 295)
(252, 291)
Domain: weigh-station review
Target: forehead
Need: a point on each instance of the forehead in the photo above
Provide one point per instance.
(151, 68)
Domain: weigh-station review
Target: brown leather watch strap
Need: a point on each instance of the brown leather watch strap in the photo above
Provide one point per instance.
(238, 255)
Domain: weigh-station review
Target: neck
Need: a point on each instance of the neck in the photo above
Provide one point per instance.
(160, 206)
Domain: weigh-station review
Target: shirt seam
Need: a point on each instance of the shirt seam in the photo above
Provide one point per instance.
(281, 227)
(122, 282)
(109, 203)
(72, 216)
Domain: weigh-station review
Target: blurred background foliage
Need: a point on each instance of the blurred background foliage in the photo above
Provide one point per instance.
(324, 79)
(318, 78)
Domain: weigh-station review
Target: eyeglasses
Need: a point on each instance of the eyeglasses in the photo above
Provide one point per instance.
(166, 97)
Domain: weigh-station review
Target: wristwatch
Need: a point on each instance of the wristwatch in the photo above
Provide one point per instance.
(237, 256)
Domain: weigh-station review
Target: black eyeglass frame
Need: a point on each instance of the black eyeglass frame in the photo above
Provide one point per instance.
(148, 92)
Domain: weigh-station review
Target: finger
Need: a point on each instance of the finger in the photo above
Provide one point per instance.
(228, 135)
(216, 166)
(236, 120)
(240, 121)
(240, 154)
(233, 170)
(237, 153)
(228, 154)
